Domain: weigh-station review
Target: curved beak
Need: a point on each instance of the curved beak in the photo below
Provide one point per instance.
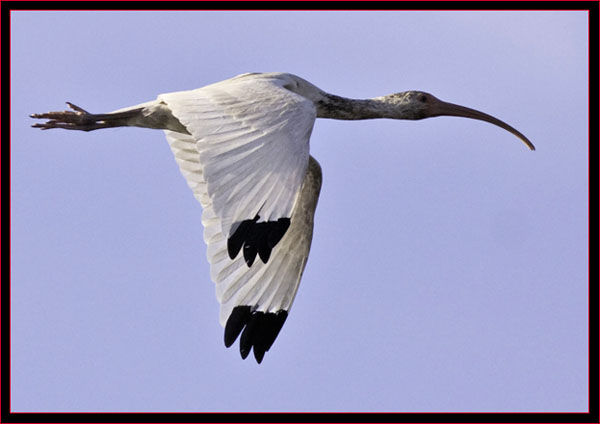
(441, 108)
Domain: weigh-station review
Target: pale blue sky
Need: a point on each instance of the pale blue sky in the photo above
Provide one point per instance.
(449, 263)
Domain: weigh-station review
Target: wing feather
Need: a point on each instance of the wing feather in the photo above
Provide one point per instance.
(264, 288)
(249, 130)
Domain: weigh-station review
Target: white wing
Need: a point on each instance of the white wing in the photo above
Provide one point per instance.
(252, 135)
(254, 297)
(257, 299)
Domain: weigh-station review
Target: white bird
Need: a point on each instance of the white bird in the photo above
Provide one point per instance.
(243, 146)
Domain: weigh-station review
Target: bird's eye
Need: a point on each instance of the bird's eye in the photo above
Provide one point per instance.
(423, 98)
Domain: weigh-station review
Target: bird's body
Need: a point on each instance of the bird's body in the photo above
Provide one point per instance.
(243, 146)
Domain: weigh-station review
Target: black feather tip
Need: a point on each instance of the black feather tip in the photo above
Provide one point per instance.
(260, 330)
(256, 238)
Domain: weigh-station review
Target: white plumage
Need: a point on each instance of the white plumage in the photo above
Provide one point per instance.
(271, 286)
(252, 138)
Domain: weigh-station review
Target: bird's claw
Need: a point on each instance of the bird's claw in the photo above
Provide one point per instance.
(78, 119)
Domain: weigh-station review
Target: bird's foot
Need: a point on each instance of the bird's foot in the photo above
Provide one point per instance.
(77, 119)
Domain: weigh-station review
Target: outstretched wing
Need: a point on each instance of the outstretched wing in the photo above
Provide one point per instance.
(252, 138)
(254, 300)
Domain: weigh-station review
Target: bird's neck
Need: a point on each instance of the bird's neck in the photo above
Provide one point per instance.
(336, 107)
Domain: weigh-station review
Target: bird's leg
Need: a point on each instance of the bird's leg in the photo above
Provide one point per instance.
(80, 119)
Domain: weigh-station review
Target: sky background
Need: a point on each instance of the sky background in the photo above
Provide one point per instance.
(449, 263)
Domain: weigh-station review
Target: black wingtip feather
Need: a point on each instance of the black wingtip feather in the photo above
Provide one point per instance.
(260, 330)
(236, 323)
(269, 325)
(256, 238)
(237, 239)
(249, 254)
(247, 339)
(277, 231)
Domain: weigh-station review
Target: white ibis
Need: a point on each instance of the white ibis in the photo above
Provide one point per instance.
(243, 146)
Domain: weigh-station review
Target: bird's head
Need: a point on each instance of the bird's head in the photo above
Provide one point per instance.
(420, 105)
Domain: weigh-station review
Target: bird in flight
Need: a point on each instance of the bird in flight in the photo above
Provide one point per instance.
(242, 145)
